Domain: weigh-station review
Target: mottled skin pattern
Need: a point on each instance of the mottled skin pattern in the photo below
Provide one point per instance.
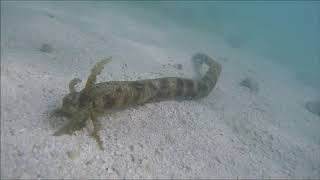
(97, 98)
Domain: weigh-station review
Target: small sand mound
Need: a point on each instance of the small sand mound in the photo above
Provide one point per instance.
(313, 107)
(250, 84)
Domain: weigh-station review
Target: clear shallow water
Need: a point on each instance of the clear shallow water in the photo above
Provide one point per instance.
(288, 33)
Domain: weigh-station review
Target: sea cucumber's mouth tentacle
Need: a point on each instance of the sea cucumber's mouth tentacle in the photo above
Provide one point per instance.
(70, 127)
(72, 84)
(95, 71)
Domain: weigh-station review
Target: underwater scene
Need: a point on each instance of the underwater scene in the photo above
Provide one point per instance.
(160, 89)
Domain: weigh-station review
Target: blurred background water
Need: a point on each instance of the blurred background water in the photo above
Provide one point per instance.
(286, 32)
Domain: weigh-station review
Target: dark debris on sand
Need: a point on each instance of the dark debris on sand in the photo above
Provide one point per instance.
(46, 48)
(313, 107)
(251, 84)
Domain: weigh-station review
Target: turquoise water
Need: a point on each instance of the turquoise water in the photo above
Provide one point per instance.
(286, 32)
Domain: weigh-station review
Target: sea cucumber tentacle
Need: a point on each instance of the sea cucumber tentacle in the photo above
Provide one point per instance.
(95, 71)
(72, 84)
(96, 128)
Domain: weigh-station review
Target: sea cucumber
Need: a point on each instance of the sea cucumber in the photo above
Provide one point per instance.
(97, 98)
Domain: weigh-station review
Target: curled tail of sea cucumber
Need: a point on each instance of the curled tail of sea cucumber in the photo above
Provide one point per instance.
(202, 58)
(210, 78)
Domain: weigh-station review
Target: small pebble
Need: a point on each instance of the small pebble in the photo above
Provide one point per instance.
(131, 147)
(46, 48)
(178, 66)
(132, 157)
(12, 132)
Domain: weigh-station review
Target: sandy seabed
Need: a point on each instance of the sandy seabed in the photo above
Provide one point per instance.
(232, 133)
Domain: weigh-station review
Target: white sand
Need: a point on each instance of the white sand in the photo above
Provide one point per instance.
(231, 133)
